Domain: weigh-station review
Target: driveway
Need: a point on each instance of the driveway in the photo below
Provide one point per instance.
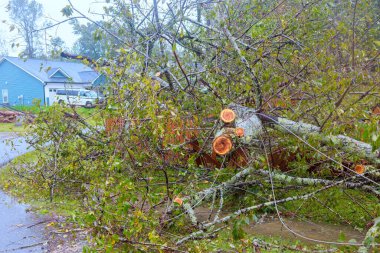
(20, 230)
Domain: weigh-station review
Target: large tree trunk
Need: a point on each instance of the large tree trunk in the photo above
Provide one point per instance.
(252, 121)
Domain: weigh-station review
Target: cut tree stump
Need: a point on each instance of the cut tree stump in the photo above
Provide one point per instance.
(222, 144)
(227, 116)
(239, 131)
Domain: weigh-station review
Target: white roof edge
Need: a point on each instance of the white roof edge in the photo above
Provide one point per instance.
(6, 58)
(62, 71)
(96, 78)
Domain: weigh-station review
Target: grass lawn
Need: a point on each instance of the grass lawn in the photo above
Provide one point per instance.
(28, 191)
(10, 127)
(89, 114)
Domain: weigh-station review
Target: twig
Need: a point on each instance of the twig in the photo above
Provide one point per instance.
(369, 240)
(251, 208)
(199, 235)
(24, 247)
(152, 245)
(256, 84)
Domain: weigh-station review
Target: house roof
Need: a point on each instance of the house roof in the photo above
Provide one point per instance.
(45, 70)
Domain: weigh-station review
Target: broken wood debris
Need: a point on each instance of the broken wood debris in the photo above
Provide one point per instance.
(9, 116)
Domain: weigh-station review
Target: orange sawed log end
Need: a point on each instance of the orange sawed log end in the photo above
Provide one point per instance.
(359, 168)
(178, 200)
(222, 145)
(239, 131)
(227, 116)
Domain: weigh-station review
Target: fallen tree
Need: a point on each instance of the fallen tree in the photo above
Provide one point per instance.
(171, 61)
(345, 143)
(252, 124)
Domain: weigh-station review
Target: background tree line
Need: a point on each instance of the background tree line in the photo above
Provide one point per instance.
(27, 19)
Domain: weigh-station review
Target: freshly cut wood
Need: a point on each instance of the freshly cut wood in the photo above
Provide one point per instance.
(248, 127)
(376, 110)
(227, 116)
(222, 145)
(239, 131)
(252, 123)
(179, 201)
(360, 168)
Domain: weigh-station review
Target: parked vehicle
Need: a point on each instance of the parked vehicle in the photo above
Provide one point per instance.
(79, 97)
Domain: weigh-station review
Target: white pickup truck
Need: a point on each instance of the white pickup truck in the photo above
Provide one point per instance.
(79, 97)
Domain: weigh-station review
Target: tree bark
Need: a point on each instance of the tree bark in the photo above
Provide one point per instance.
(345, 143)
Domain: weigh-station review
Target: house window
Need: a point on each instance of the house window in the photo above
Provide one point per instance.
(4, 94)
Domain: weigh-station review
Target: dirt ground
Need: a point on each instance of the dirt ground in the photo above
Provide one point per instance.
(64, 238)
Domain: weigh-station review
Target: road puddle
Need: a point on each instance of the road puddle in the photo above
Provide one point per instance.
(315, 231)
(20, 230)
(274, 228)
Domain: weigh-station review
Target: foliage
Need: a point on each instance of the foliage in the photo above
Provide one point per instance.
(93, 42)
(173, 71)
(3, 46)
(343, 202)
(25, 15)
(10, 127)
(29, 191)
(57, 45)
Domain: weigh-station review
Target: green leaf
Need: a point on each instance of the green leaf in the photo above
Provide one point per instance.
(238, 231)
(67, 11)
(342, 237)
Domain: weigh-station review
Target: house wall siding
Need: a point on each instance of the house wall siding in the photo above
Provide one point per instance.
(19, 83)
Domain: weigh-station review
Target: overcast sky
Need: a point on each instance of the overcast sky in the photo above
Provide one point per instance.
(52, 12)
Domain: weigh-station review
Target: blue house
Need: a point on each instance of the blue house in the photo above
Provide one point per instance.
(22, 81)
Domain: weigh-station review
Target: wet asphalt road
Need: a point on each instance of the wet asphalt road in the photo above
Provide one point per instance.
(8, 151)
(19, 229)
